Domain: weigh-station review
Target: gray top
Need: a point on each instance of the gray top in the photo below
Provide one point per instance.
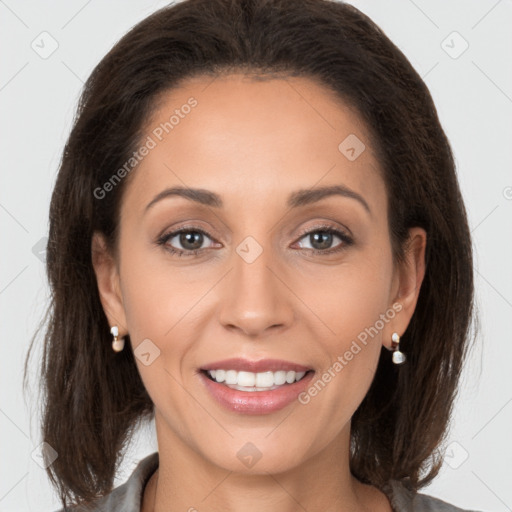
(128, 496)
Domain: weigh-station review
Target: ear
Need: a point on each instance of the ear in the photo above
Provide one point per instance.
(407, 280)
(107, 277)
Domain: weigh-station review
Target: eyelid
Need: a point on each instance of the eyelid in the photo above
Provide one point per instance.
(167, 235)
(186, 227)
(324, 225)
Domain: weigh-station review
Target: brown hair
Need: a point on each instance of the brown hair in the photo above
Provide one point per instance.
(94, 399)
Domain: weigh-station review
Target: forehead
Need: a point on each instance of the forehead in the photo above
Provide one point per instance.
(253, 139)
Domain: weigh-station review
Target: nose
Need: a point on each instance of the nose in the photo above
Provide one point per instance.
(255, 296)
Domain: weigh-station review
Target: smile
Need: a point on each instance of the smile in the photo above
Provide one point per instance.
(251, 382)
(252, 399)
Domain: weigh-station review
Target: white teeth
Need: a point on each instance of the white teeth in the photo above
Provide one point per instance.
(261, 380)
(264, 380)
(230, 377)
(279, 378)
(247, 379)
(299, 375)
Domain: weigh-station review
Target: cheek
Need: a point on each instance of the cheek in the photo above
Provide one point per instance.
(156, 293)
(350, 297)
(158, 302)
(354, 306)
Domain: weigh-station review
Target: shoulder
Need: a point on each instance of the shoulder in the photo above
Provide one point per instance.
(403, 499)
(128, 496)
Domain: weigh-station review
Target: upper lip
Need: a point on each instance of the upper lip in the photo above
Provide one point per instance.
(241, 364)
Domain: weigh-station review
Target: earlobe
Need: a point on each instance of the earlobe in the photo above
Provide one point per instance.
(409, 277)
(107, 279)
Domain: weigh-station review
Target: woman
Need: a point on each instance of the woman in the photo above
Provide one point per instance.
(256, 200)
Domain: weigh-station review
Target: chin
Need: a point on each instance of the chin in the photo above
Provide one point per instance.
(258, 457)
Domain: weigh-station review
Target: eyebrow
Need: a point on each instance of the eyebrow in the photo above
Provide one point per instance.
(296, 199)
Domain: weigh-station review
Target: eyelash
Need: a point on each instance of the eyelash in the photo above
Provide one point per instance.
(347, 240)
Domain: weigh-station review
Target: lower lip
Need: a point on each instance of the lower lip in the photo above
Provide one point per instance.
(256, 402)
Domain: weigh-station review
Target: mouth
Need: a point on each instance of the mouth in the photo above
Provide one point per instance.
(255, 387)
(254, 382)
(247, 375)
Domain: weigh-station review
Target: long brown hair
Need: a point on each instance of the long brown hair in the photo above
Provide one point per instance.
(94, 399)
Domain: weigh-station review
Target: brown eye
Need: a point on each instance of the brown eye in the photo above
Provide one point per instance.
(185, 241)
(190, 240)
(322, 239)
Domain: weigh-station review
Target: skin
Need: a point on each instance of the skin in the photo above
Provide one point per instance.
(254, 143)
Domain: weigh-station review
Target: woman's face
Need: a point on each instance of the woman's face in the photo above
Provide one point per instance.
(260, 286)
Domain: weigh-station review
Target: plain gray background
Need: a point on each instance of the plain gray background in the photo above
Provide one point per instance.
(472, 88)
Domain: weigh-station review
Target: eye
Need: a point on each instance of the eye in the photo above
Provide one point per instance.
(191, 240)
(322, 237)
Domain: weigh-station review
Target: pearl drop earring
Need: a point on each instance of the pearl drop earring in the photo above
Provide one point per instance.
(398, 357)
(117, 345)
